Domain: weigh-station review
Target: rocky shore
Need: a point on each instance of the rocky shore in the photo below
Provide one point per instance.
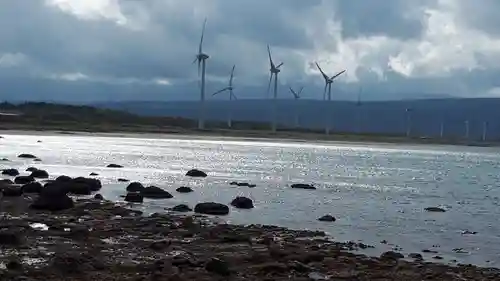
(95, 239)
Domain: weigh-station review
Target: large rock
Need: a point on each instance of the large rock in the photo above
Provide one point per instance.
(32, 187)
(134, 197)
(327, 218)
(24, 179)
(27, 156)
(303, 186)
(40, 174)
(52, 202)
(241, 202)
(435, 209)
(31, 169)
(4, 182)
(63, 179)
(12, 191)
(135, 187)
(155, 192)
(10, 172)
(184, 189)
(114, 166)
(211, 208)
(93, 184)
(196, 173)
(181, 208)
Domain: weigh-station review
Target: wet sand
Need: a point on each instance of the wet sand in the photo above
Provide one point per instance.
(100, 240)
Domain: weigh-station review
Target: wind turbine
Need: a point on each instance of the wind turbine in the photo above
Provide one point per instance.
(231, 96)
(275, 70)
(328, 85)
(201, 59)
(409, 111)
(296, 96)
(485, 129)
(358, 109)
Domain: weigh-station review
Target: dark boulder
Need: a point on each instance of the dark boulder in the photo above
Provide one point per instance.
(52, 202)
(31, 169)
(392, 255)
(27, 156)
(24, 179)
(252, 185)
(135, 187)
(63, 179)
(93, 174)
(303, 186)
(37, 160)
(93, 184)
(6, 182)
(123, 180)
(32, 187)
(10, 172)
(12, 191)
(134, 197)
(155, 192)
(181, 208)
(98, 197)
(4, 159)
(241, 202)
(218, 266)
(327, 218)
(211, 208)
(11, 237)
(184, 189)
(76, 188)
(233, 183)
(55, 189)
(114, 166)
(40, 174)
(196, 173)
(435, 209)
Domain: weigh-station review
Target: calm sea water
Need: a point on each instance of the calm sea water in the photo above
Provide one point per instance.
(376, 191)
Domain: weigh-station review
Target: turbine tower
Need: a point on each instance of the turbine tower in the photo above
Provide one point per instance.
(328, 85)
(231, 96)
(275, 70)
(296, 96)
(201, 59)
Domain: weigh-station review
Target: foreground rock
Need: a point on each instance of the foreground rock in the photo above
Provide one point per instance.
(196, 173)
(134, 197)
(181, 208)
(211, 208)
(40, 174)
(241, 202)
(24, 179)
(10, 172)
(135, 187)
(303, 186)
(52, 199)
(154, 192)
(32, 187)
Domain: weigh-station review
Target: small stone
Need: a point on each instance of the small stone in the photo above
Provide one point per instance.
(416, 256)
(327, 218)
(155, 192)
(196, 173)
(160, 245)
(392, 255)
(10, 172)
(114, 166)
(241, 202)
(218, 266)
(435, 209)
(27, 156)
(123, 180)
(93, 174)
(184, 189)
(98, 197)
(302, 186)
(181, 208)
(24, 179)
(31, 169)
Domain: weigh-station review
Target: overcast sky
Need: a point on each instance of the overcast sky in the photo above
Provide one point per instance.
(63, 49)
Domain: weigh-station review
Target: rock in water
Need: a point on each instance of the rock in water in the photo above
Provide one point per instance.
(134, 197)
(10, 172)
(31, 169)
(98, 197)
(155, 192)
(196, 173)
(24, 179)
(32, 187)
(93, 184)
(63, 179)
(93, 174)
(52, 202)
(123, 180)
(241, 202)
(184, 189)
(114, 166)
(328, 218)
(40, 174)
(181, 208)
(435, 209)
(27, 156)
(392, 255)
(211, 208)
(303, 186)
(135, 187)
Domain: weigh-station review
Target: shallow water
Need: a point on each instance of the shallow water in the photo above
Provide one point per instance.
(376, 191)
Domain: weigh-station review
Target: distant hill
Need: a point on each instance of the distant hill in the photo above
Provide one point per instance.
(380, 117)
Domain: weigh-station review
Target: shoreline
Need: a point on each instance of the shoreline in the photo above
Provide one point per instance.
(101, 240)
(242, 135)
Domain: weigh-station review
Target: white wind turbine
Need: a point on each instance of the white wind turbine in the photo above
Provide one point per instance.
(275, 70)
(296, 96)
(231, 96)
(201, 59)
(328, 85)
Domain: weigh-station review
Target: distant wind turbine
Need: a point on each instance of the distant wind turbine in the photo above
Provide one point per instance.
(408, 121)
(328, 85)
(466, 123)
(275, 70)
(231, 96)
(201, 59)
(296, 96)
(358, 107)
(485, 129)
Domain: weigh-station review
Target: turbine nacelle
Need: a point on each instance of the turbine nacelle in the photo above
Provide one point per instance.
(202, 56)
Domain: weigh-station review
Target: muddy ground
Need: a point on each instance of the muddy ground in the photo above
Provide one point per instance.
(99, 240)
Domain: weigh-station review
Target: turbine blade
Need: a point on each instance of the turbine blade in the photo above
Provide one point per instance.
(300, 91)
(269, 85)
(232, 76)
(337, 75)
(220, 91)
(324, 92)
(322, 73)
(232, 94)
(270, 59)
(279, 65)
(200, 50)
(195, 60)
(293, 92)
(199, 67)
